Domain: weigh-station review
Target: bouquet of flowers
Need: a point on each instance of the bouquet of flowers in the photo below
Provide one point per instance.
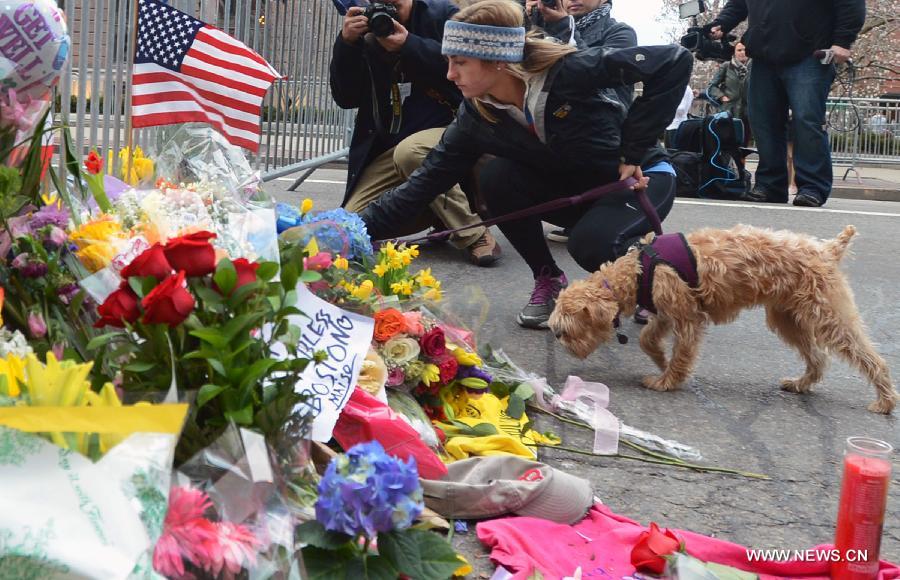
(183, 318)
(367, 504)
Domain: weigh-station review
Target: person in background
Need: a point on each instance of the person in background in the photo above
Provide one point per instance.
(781, 38)
(537, 106)
(398, 84)
(681, 115)
(729, 87)
(587, 24)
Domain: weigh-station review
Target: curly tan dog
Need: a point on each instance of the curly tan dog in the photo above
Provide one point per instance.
(794, 276)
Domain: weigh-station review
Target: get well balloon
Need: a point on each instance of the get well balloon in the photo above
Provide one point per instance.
(34, 46)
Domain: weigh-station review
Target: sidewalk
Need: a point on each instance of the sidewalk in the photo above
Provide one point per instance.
(870, 182)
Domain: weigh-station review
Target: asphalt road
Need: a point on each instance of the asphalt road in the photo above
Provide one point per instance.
(732, 410)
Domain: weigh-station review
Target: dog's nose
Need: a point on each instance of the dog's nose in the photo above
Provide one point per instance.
(558, 334)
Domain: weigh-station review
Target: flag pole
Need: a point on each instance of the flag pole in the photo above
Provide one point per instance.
(129, 74)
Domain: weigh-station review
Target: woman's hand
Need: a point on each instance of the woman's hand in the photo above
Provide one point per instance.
(626, 171)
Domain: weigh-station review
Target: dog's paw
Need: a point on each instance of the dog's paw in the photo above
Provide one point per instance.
(657, 383)
(794, 386)
(882, 406)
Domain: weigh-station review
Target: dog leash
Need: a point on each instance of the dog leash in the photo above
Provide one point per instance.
(553, 205)
(620, 336)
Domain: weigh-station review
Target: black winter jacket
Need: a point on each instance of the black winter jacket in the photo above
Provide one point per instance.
(788, 31)
(582, 125)
(431, 104)
(606, 32)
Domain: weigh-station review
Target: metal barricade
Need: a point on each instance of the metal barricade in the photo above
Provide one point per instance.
(864, 130)
(302, 127)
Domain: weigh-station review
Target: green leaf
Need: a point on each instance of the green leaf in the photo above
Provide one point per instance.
(326, 564)
(64, 194)
(242, 416)
(240, 323)
(73, 162)
(207, 294)
(137, 285)
(207, 393)
(267, 271)
(310, 276)
(274, 414)
(104, 339)
(217, 366)
(525, 391)
(225, 276)
(419, 554)
(516, 407)
(139, 367)
(484, 430)
(315, 534)
(212, 336)
(255, 372)
(380, 568)
(289, 276)
(499, 389)
(31, 166)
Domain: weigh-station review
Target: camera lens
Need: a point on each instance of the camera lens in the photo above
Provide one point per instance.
(381, 24)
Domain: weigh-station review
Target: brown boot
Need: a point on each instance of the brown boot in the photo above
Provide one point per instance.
(485, 251)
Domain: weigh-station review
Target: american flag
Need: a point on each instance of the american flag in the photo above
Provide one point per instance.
(187, 71)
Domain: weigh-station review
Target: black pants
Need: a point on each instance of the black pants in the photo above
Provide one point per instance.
(599, 231)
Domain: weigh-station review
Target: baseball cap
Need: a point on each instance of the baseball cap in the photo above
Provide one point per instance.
(487, 487)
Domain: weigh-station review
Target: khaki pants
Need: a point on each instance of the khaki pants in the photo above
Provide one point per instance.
(393, 167)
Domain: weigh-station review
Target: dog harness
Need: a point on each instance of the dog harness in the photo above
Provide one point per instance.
(672, 250)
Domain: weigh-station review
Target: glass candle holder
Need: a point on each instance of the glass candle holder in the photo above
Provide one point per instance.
(864, 493)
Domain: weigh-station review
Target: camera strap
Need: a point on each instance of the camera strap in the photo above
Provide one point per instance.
(396, 107)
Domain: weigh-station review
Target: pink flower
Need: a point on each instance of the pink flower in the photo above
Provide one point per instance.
(186, 504)
(317, 263)
(56, 238)
(187, 535)
(36, 325)
(395, 377)
(59, 350)
(237, 547)
(414, 326)
(15, 114)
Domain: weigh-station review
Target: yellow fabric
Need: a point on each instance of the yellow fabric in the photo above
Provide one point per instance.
(476, 409)
(120, 420)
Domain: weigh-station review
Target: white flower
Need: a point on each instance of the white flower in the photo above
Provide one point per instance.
(400, 350)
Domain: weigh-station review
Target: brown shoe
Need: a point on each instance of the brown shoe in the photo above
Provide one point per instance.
(485, 251)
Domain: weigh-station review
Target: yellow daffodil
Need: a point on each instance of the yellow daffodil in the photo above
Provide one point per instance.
(404, 287)
(405, 258)
(341, 263)
(51, 198)
(413, 250)
(389, 249)
(306, 206)
(425, 279)
(466, 358)
(395, 262)
(434, 294)
(380, 270)
(12, 371)
(96, 256)
(363, 291)
(431, 374)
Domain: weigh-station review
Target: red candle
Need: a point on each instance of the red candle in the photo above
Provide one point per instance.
(864, 493)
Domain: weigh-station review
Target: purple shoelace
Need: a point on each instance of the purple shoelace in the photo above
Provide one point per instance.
(546, 288)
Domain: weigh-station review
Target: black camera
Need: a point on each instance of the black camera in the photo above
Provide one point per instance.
(697, 39)
(381, 18)
(550, 3)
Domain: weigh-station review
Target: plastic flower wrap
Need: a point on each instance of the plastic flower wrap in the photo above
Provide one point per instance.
(367, 491)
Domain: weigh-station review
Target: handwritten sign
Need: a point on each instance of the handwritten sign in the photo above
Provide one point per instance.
(345, 338)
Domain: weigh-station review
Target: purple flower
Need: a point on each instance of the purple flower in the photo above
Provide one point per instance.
(34, 270)
(49, 215)
(36, 325)
(395, 377)
(366, 491)
(466, 372)
(67, 293)
(20, 261)
(56, 237)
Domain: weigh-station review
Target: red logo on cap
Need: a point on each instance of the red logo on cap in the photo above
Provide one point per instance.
(533, 474)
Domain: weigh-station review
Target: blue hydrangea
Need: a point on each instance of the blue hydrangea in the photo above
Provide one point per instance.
(366, 491)
(346, 228)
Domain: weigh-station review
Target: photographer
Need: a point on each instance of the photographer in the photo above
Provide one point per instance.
(387, 62)
(781, 38)
(537, 106)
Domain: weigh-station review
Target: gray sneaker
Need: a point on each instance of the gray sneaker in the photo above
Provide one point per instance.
(543, 299)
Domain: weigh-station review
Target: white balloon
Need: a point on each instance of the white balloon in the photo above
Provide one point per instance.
(34, 46)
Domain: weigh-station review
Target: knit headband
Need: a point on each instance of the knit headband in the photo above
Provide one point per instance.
(484, 42)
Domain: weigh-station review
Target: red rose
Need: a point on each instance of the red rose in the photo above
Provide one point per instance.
(246, 271)
(652, 545)
(151, 262)
(448, 366)
(433, 343)
(119, 307)
(192, 253)
(169, 303)
(94, 163)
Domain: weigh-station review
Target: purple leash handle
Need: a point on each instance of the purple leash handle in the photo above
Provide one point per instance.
(555, 204)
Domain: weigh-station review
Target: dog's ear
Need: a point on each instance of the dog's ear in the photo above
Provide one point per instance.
(601, 310)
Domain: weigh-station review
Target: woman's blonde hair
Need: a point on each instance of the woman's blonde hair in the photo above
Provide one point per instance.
(540, 53)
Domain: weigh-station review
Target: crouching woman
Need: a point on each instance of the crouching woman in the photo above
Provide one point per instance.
(547, 114)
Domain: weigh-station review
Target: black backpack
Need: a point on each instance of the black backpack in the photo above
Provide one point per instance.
(708, 160)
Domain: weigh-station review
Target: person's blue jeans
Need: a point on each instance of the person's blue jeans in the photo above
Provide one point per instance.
(803, 88)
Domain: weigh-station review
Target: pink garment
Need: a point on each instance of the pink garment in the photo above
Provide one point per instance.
(601, 544)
